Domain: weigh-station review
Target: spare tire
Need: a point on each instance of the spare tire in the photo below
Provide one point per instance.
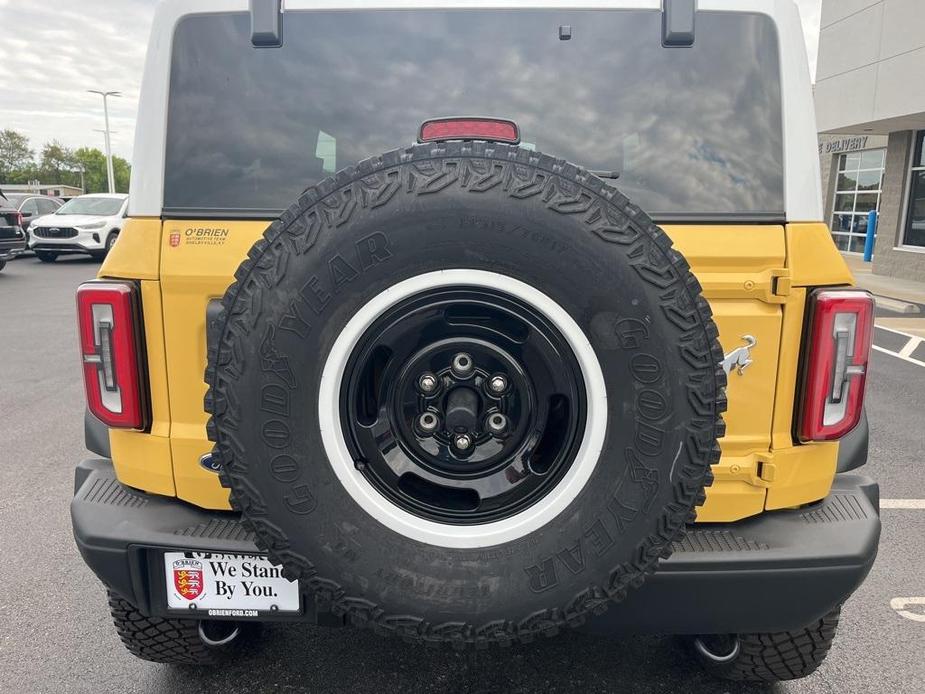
(465, 393)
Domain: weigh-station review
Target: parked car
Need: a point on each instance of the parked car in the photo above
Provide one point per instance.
(85, 224)
(465, 392)
(32, 207)
(12, 236)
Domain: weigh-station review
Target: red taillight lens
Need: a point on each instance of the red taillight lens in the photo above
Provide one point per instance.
(109, 347)
(495, 129)
(19, 219)
(840, 332)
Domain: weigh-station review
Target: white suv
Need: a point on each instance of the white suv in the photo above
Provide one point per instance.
(88, 224)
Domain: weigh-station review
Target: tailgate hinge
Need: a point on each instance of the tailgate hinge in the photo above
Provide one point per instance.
(771, 286)
(781, 284)
(758, 469)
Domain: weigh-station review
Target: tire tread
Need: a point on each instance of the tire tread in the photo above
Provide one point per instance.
(566, 189)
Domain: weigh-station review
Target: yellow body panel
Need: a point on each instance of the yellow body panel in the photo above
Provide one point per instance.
(737, 267)
(143, 460)
(138, 253)
(813, 259)
(754, 277)
(198, 260)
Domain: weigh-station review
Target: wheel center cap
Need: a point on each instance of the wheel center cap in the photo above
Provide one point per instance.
(462, 410)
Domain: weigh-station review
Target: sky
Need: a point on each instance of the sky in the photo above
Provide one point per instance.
(52, 51)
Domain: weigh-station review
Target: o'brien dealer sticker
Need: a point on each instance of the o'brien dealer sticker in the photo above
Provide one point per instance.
(228, 585)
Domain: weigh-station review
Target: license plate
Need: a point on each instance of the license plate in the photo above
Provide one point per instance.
(228, 585)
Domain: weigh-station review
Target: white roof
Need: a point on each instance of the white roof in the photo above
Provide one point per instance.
(802, 186)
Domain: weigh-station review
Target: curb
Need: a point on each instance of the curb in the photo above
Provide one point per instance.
(896, 305)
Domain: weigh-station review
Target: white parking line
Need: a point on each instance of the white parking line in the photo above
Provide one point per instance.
(917, 504)
(910, 347)
(907, 349)
(892, 330)
(898, 355)
(899, 604)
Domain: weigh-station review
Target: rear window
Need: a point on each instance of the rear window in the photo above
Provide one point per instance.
(693, 132)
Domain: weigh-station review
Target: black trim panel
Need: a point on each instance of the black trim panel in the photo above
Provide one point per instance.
(778, 218)
(96, 435)
(852, 449)
(774, 572)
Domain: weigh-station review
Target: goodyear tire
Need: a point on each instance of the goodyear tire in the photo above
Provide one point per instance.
(177, 641)
(518, 262)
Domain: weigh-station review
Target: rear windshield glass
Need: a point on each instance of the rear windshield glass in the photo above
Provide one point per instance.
(105, 207)
(691, 131)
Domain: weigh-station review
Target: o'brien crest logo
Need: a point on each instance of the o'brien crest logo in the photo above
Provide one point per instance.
(187, 578)
(174, 239)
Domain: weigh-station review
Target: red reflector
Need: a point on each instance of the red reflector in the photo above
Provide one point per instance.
(496, 129)
(109, 347)
(840, 333)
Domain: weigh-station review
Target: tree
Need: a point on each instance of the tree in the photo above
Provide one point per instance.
(93, 162)
(94, 165)
(58, 164)
(122, 170)
(14, 153)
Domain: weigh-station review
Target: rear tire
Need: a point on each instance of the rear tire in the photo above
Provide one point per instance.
(775, 657)
(46, 256)
(174, 641)
(2, 264)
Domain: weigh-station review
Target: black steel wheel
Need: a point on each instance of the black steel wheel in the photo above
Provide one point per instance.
(463, 405)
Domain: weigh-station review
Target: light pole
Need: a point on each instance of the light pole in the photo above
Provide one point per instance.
(109, 173)
(109, 170)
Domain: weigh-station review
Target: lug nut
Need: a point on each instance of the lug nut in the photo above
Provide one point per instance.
(497, 424)
(428, 422)
(462, 442)
(427, 383)
(497, 384)
(462, 365)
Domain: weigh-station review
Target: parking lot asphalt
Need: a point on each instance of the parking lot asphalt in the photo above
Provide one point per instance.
(55, 633)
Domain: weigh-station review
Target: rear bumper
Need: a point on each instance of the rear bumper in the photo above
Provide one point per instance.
(12, 247)
(774, 572)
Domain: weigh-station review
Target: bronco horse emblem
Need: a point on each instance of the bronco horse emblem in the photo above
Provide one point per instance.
(740, 358)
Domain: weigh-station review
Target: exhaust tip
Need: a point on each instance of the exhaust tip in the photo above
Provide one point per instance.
(213, 633)
(715, 657)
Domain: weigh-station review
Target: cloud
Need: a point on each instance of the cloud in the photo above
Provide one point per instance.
(53, 51)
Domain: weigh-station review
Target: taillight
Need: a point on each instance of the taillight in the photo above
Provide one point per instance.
(835, 367)
(19, 219)
(108, 318)
(495, 129)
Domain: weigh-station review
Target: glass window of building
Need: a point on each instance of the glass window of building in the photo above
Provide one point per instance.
(857, 192)
(915, 225)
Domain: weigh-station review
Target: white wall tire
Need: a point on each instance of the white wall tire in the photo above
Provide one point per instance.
(467, 536)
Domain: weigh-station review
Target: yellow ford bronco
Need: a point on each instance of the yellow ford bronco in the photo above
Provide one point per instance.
(476, 323)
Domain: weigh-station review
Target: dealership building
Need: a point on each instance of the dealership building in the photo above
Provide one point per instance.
(870, 108)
